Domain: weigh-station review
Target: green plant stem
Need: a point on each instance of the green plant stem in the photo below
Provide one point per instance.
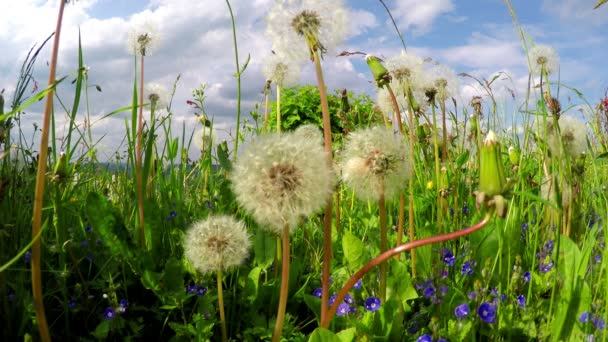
(220, 298)
(278, 108)
(278, 328)
(138, 156)
(437, 169)
(266, 105)
(238, 81)
(382, 258)
(38, 296)
(327, 252)
(383, 243)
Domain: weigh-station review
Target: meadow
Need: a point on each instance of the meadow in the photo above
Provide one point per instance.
(330, 216)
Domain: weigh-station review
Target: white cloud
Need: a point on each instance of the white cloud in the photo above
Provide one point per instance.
(576, 10)
(419, 14)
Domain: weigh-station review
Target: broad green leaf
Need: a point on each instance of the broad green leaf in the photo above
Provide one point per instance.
(347, 335)
(265, 248)
(354, 251)
(253, 280)
(323, 335)
(102, 330)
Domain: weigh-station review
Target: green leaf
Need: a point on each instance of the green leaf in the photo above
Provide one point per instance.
(354, 251)
(102, 330)
(323, 335)
(151, 280)
(174, 276)
(223, 157)
(347, 335)
(265, 248)
(252, 285)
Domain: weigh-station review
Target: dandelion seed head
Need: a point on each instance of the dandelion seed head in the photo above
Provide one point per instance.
(143, 39)
(374, 158)
(216, 243)
(281, 71)
(384, 101)
(543, 57)
(281, 178)
(204, 139)
(573, 134)
(442, 80)
(321, 24)
(156, 94)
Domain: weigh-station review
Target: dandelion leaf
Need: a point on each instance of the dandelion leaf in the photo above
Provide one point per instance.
(323, 335)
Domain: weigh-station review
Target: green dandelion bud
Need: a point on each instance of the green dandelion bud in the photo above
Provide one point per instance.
(61, 166)
(381, 75)
(514, 155)
(492, 179)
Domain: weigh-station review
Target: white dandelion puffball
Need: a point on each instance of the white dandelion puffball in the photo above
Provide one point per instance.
(574, 137)
(143, 39)
(405, 68)
(443, 80)
(291, 25)
(280, 71)
(157, 94)
(375, 159)
(216, 243)
(543, 56)
(549, 190)
(310, 132)
(204, 139)
(281, 178)
(384, 101)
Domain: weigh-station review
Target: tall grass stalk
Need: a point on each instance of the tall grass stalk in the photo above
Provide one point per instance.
(139, 155)
(38, 296)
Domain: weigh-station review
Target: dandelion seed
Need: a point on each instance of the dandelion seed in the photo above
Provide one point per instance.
(322, 24)
(281, 178)
(543, 57)
(443, 81)
(375, 160)
(216, 243)
(143, 40)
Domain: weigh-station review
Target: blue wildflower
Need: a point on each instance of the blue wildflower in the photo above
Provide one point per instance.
(598, 322)
(201, 291)
(585, 317)
(472, 295)
(191, 289)
(441, 339)
(444, 274)
(87, 229)
(425, 338)
(465, 210)
(451, 212)
(317, 292)
(546, 267)
(521, 300)
(429, 291)
(467, 268)
(71, 304)
(598, 259)
(109, 313)
(27, 257)
(332, 299)
(343, 309)
(462, 310)
(448, 257)
(487, 312)
(348, 299)
(526, 277)
(358, 284)
(443, 289)
(122, 306)
(372, 304)
(173, 213)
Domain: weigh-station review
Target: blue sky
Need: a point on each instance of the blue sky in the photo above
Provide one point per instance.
(477, 37)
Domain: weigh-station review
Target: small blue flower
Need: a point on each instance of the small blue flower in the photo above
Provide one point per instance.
(598, 259)
(348, 299)
(353, 309)
(524, 227)
(462, 310)
(109, 313)
(467, 268)
(487, 312)
(526, 277)
(317, 292)
(444, 274)
(443, 289)
(372, 304)
(472, 295)
(546, 267)
(71, 304)
(173, 213)
(548, 248)
(343, 309)
(598, 322)
(332, 299)
(521, 301)
(447, 256)
(465, 210)
(201, 291)
(122, 306)
(358, 284)
(503, 297)
(429, 291)
(451, 212)
(27, 257)
(441, 339)
(87, 229)
(191, 289)
(585, 317)
(425, 338)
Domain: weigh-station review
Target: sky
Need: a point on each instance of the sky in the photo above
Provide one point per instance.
(471, 36)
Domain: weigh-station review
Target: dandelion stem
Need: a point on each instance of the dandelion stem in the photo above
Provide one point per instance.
(327, 253)
(238, 81)
(220, 298)
(267, 96)
(278, 107)
(139, 155)
(382, 258)
(278, 328)
(383, 243)
(37, 294)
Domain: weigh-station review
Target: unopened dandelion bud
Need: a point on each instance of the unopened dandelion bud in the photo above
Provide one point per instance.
(514, 155)
(492, 179)
(61, 166)
(474, 124)
(444, 183)
(476, 104)
(381, 75)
